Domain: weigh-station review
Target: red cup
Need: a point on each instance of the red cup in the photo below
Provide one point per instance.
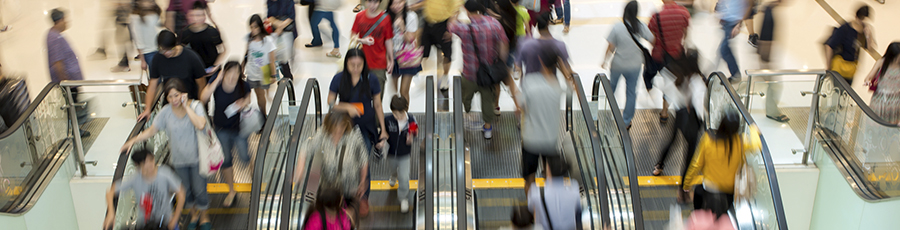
(413, 128)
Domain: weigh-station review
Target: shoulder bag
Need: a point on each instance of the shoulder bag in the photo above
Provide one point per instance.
(209, 148)
(546, 210)
(488, 74)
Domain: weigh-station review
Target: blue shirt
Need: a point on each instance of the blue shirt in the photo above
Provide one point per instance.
(732, 10)
(367, 122)
(58, 50)
(278, 8)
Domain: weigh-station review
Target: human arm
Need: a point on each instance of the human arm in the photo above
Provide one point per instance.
(751, 140)
(829, 54)
(272, 69)
(210, 88)
(144, 135)
(610, 50)
(697, 162)
(170, 20)
(875, 69)
(60, 69)
(222, 49)
(179, 205)
(379, 114)
(110, 209)
(197, 115)
(148, 98)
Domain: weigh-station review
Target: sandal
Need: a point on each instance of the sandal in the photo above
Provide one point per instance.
(657, 170)
(628, 127)
(663, 119)
(566, 30)
(333, 54)
(782, 118)
(358, 8)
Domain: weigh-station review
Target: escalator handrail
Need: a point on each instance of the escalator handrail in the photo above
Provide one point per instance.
(429, 153)
(29, 111)
(838, 81)
(285, 84)
(595, 141)
(764, 150)
(460, 167)
(122, 162)
(637, 211)
(311, 89)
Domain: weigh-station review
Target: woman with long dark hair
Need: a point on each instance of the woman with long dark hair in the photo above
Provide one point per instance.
(886, 76)
(259, 61)
(720, 156)
(180, 118)
(406, 28)
(356, 91)
(232, 95)
(144, 28)
(627, 58)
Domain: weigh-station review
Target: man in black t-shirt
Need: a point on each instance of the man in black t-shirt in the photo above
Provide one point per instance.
(174, 61)
(203, 38)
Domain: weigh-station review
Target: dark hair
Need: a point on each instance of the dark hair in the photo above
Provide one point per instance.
(629, 17)
(166, 39)
(257, 20)
(729, 126)
(170, 84)
(139, 156)
(557, 166)
(687, 67)
(330, 197)
(399, 103)
(543, 21)
(863, 12)
(346, 87)
(136, 9)
(893, 50)
(508, 15)
(473, 6)
(240, 81)
(515, 1)
(56, 15)
(199, 5)
(335, 118)
(522, 217)
(394, 16)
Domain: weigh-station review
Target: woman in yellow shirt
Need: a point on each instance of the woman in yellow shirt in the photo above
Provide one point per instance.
(719, 157)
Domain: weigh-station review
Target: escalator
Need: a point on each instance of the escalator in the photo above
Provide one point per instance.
(255, 181)
(653, 196)
(34, 148)
(384, 210)
(489, 180)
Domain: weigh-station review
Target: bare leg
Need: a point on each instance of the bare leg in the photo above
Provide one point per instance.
(396, 84)
(405, 81)
(229, 180)
(261, 98)
(664, 113)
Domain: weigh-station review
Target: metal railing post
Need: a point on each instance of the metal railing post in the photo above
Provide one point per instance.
(76, 130)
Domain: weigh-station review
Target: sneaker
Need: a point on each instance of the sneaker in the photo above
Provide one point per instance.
(497, 111)
(753, 40)
(734, 79)
(487, 132)
(392, 181)
(404, 206)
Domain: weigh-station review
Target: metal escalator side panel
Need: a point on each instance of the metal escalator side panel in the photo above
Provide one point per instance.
(284, 84)
(595, 149)
(464, 194)
(311, 90)
(424, 203)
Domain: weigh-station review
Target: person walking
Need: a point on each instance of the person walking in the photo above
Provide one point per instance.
(63, 64)
(764, 45)
(155, 186)
(436, 14)
(144, 28)
(558, 206)
(732, 14)
(180, 118)
(625, 49)
(669, 27)
(486, 35)
(232, 95)
(176, 13)
(842, 48)
(324, 9)
(406, 28)
(402, 130)
(259, 61)
(377, 42)
(541, 117)
(885, 76)
(563, 14)
(174, 62)
(204, 39)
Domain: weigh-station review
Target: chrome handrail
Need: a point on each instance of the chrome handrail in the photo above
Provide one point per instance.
(117, 82)
(285, 84)
(764, 150)
(595, 149)
(311, 90)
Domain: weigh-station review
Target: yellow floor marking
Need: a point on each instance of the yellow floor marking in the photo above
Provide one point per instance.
(220, 188)
(662, 180)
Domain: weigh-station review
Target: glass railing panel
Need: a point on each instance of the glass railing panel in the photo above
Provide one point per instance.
(870, 142)
(17, 161)
(105, 105)
(126, 208)
(772, 96)
(763, 210)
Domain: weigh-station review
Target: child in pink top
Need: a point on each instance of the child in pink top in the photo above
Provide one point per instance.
(328, 202)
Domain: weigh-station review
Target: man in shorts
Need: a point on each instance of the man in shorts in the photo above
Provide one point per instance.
(435, 33)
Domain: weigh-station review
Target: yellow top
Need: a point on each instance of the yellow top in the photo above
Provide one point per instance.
(712, 159)
(436, 11)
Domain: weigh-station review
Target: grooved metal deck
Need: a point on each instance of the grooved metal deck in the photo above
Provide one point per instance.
(498, 157)
(94, 126)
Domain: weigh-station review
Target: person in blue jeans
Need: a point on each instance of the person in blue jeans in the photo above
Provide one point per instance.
(627, 55)
(563, 14)
(180, 118)
(232, 95)
(324, 9)
(731, 14)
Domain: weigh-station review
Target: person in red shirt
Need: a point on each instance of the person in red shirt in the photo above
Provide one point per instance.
(669, 27)
(378, 42)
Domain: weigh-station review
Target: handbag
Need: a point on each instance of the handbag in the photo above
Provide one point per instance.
(209, 149)
(744, 182)
(651, 68)
(649, 64)
(410, 55)
(488, 74)
(251, 121)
